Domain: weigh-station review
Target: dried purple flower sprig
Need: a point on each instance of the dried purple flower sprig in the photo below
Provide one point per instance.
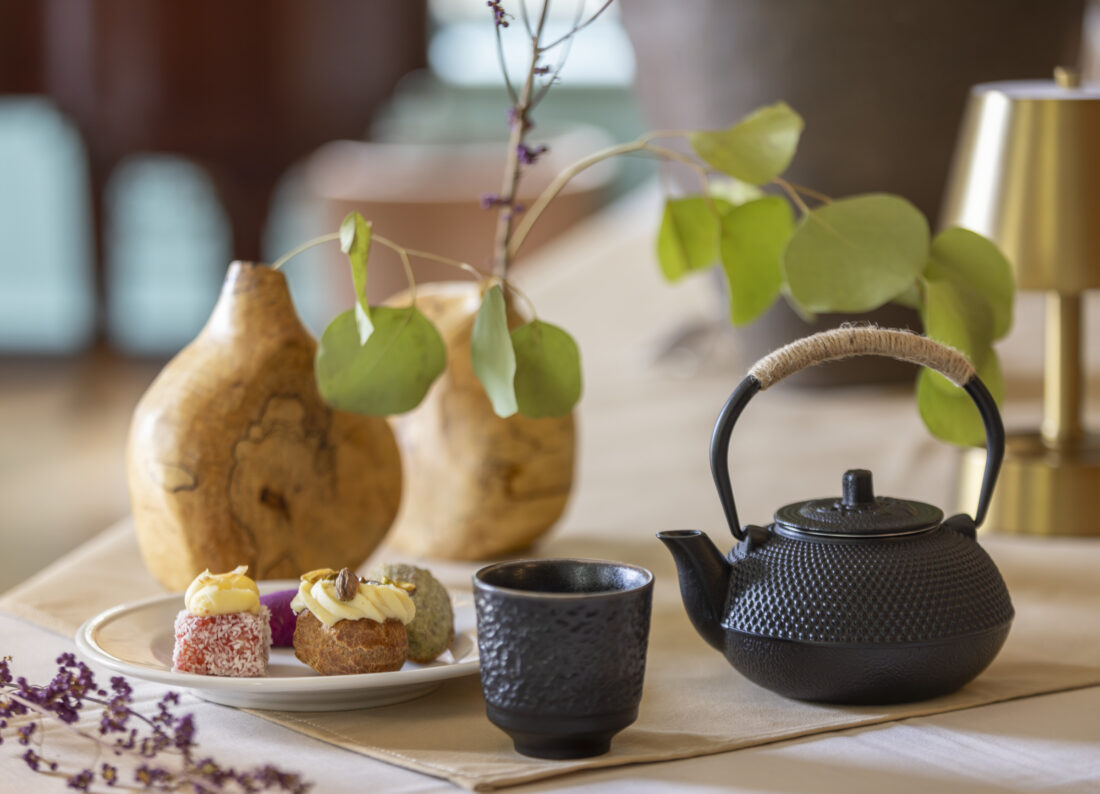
(164, 737)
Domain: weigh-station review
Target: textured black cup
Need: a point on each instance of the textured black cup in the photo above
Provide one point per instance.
(563, 646)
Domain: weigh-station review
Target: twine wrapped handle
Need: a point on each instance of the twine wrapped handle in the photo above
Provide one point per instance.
(849, 341)
(846, 342)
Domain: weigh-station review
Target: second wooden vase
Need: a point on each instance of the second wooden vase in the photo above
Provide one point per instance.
(477, 485)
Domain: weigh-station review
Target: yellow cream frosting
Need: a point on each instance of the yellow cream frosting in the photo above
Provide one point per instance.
(378, 602)
(222, 593)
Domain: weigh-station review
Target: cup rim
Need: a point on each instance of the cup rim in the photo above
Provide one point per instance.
(480, 584)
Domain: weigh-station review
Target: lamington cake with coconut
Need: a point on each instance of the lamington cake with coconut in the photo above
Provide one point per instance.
(223, 628)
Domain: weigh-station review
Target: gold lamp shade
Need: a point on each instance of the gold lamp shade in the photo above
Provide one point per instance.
(1027, 175)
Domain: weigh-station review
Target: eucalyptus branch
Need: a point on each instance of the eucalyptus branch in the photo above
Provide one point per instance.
(404, 254)
(654, 134)
(576, 28)
(508, 285)
(679, 157)
(790, 190)
(809, 191)
(560, 181)
(324, 238)
(672, 155)
(642, 144)
(443, 260)
(401, 251)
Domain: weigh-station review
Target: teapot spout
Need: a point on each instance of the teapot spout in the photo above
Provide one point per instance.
(704, 581)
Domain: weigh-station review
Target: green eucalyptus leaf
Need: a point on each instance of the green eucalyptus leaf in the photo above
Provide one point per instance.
(972, 261)
(855, 254)
(911, 298)
(755, 150)
(388, 374)
(355, 235)
(548, 370)
(363, 323)
(949, 412)
(734, 191)
(491, 351)
(752, 241)
(800, 311)
(688, 237)
(957, 316)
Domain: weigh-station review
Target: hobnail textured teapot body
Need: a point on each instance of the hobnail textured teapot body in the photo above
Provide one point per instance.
(864, 620)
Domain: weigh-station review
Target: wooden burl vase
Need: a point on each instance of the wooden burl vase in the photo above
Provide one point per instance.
(477, 485)
(233, 457)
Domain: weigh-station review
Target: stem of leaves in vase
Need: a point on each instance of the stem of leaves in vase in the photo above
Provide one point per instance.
(519, 153)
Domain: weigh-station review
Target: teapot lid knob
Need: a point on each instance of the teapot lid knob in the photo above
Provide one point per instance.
(857, 488)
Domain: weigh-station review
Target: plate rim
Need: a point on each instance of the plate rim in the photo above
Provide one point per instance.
(276, 686)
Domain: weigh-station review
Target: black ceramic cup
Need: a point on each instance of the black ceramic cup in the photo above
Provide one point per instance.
(563, 646)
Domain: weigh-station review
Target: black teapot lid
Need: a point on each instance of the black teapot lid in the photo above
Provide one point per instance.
(858, 513)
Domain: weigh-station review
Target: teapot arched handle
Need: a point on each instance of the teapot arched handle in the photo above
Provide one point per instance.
(843, 343)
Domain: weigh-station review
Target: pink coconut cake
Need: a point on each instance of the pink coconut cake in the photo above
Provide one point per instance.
(236, 644)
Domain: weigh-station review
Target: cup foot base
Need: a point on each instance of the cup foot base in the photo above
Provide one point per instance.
(560, 738)
(561, 749)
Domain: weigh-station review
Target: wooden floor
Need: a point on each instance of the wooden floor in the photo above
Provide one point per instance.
(62, 434)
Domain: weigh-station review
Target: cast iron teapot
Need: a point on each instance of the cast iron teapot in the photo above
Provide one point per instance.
(856, 599)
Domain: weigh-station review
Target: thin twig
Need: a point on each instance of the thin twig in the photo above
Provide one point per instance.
(401, 251)
(788, 188)
(654, 134)
(704, 176)
(508, 285)
(561, 62)
(577, 28)
(445, 260)
(526, 19)
(809, 191)
(503, 65)
(560, 181)
(672, 154)
(405, 263)
(324, 238)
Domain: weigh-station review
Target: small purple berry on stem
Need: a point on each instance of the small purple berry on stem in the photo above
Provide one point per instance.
(490, 200)
(529, 155)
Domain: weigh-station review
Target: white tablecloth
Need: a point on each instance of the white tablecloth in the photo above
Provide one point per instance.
(1046, 743)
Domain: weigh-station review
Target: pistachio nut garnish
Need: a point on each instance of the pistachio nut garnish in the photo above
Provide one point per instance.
(316, 575)
(347, 584)
(408, 587)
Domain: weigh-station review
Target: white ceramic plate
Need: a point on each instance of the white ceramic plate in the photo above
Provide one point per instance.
(136, 639)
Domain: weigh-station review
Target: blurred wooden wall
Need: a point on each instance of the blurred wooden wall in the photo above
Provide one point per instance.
(244, 88)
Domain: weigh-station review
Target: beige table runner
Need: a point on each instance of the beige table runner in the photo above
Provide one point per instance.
(694, 703)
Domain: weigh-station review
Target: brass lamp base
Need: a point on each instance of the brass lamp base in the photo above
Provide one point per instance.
(1041, 491)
